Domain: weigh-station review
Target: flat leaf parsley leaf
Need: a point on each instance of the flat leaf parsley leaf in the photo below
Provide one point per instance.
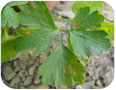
(82, 40)
(84, 19)
(66, 67)
(38, 16)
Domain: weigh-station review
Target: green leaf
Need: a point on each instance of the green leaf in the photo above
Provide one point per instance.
(85, 20)
(3, 19)
(64, 65)
(38, 39)
(16, 3)
(82, 40)
(38, 16)
(108, 28)
(7, 46)
(7, 50)
(94, 5)
(4, 35)
(9, 15)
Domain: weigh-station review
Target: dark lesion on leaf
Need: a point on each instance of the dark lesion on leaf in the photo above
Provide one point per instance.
(77, 61)
(76, 24)
(16, 8)
(11, 31)
(109, 30)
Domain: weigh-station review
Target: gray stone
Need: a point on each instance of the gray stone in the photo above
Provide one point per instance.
(42, 58)
(15, 63)
(60, 24)
(108, 12)
(23, 87)
(37, 80)
(15, 81)
(28, 81)
(26, 73)
(38, 87)
(16, 86)
(23, 61)
(96, 73)
(21, 74)
(8, 73)
(33, 86)
(90, 71)
(101, 73)
(32, 70)
(89, 78)
(88, 85)
(22, 70)
(65, 9)
(42, 87)
(108, 77)
(31, 62)
(97, 87)
(22, 65)
(16, 69)
(23, 78)
(98, 82)
(67, 13)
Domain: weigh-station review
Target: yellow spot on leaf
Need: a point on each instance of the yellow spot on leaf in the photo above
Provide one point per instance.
(109, 30)
(93, 28)
(31, 52)
(27, 32)
(76, 24)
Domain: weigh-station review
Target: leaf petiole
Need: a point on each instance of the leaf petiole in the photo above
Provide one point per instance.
(63, 30)
(60, 39)
(62, 19)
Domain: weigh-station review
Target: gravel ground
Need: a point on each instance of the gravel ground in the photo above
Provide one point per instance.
(23, 72)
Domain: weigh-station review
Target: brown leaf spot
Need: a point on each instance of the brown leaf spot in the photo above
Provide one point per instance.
(27, 32)
(75, 72)
(109, 30)
(71, 66)
(76, 24)
(95, 29)
(77, 61)
(65, 70)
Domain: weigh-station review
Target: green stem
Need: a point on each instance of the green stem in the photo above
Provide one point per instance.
(60, 39)
(62, 19)
(63, 30)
